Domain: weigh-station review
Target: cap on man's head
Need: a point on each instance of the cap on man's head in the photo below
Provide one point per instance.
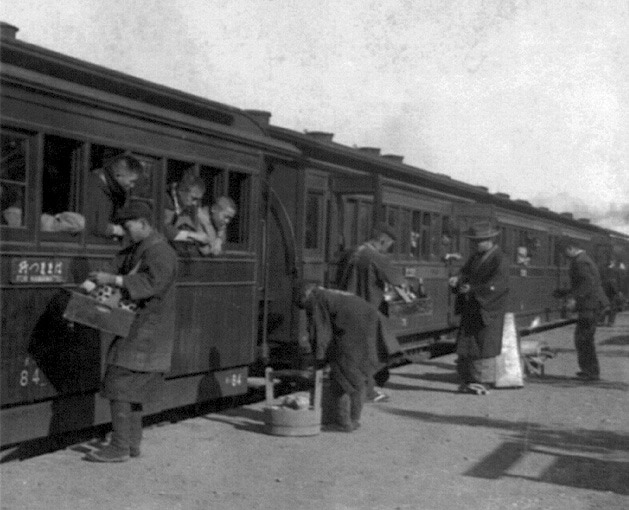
(134, 211)
(383, 228)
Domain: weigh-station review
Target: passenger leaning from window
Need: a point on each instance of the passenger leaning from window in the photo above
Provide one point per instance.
(182, 219)
(187, 221)
(221, 214)
(108, 192)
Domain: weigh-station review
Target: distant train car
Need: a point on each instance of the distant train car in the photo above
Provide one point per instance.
(62, 118)
(334, 194)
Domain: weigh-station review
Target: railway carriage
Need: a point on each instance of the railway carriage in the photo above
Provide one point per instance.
(346, 190)
(302, 200)
(62, 118)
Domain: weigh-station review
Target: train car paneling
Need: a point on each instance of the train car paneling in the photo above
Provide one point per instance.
(54, 131)
(129, 128)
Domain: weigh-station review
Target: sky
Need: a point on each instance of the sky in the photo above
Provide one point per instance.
(526, 97)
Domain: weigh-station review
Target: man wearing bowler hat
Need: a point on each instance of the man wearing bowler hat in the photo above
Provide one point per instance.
(145, 272)
(482, 289)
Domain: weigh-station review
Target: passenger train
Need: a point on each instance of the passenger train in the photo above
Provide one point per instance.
(302, 199)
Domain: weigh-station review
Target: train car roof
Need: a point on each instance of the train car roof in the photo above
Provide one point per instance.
(230, 121)
(319, 146)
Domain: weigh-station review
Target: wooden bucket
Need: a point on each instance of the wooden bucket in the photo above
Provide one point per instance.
(284, 421)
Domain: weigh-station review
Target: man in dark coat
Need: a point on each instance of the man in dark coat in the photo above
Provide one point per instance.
(145, 271)
(614, 295)
(342, 328)
(482, 288)
(107, 192)
(589, 300)
(365, 271)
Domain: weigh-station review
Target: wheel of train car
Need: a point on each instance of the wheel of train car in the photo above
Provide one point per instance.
(382, 376)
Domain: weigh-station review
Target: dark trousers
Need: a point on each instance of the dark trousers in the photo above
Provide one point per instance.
(584, 343)
(347, 407)
(126, 424)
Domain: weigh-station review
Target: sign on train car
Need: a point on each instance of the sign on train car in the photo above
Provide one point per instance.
(39, 270)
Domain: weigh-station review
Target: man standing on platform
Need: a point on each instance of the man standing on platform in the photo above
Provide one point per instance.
(145, 272)
(589, 300)
(482, 290)
(365, 271)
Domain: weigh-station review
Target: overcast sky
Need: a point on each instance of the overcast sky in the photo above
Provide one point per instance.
(526, 97)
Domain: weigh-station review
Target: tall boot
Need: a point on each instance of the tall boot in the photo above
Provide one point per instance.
(118, 448)
(135, 423)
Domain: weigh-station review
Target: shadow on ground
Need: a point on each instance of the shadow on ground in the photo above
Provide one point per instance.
(587, 459)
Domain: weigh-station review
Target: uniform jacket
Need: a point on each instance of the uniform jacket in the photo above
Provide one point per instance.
(585, 284)
(488, 277)
(149, 345)
(365, 271)
(343, 329)
(105, 197)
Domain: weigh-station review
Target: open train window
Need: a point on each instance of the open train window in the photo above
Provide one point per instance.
(100, 159)
(61, 218)
(314, 217)
(13, 179)
(235, 185)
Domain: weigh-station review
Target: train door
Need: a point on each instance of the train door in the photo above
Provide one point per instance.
(354, 208)
(278, 318)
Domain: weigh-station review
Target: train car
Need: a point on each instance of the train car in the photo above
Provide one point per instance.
(334, 194)
(62, 118)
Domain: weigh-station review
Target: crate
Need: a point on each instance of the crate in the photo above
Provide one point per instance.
(284, 421)
(91, 312)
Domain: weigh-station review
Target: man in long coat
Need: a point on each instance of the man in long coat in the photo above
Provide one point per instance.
(342, 329)
(589, 301)
(482, 290)
(365, 271)
(145, 271)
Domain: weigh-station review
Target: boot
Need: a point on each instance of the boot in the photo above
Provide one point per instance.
(135, 437)
(118, 448)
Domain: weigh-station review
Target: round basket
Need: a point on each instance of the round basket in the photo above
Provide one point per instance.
(283, 421)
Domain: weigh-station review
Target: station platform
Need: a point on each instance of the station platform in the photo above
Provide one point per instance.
(555, 444)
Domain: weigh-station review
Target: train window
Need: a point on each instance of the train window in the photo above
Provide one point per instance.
(13, 180)
(238, 189)
(435, 237)
(350, 228)
(393, 220)
(415, 237)
(314, 221)
(405, 228)
(143, 188)
(60, 192)
(214, 183)
(365, 219)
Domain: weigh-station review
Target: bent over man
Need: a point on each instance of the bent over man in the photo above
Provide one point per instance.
(145, 271)
(342, 330)
(482, 289)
